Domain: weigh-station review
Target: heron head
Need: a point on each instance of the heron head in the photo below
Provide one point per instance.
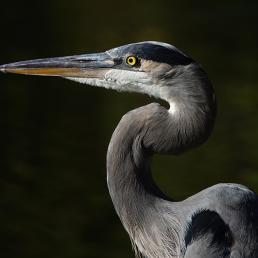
(147, 67)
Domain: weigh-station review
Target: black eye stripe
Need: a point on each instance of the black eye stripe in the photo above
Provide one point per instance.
(154, 52)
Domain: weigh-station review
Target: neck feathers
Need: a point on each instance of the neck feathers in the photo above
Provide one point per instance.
(141, 133)
(153, 129)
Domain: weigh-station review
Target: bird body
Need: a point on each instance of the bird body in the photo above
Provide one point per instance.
(220, 221)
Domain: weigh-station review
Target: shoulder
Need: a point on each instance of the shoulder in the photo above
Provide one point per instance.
(230, 195)
(224, 214)
(207, 235)
(225, 193)
(229, 200)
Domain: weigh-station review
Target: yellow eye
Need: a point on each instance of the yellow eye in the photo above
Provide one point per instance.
(131, 60)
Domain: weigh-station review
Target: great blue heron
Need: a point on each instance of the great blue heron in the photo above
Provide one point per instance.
(221, 221)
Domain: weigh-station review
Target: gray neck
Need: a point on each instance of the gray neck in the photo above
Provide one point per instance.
(143, 132)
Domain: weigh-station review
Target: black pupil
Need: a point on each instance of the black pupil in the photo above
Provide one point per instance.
(131, 60)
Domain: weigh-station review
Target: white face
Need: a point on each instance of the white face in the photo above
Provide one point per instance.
(141, 81)
(121, 80)
(146, 78)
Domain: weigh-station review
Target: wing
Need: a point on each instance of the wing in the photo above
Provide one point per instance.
(208, 236)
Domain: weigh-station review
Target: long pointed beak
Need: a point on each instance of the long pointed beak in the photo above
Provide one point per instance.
(80, 66)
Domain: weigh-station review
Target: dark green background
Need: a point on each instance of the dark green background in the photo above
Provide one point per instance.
(54, 133)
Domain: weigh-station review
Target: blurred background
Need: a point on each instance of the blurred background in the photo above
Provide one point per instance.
(54, 133)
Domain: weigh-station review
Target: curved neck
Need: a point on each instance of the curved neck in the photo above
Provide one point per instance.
(143, 132)
(137, 199)
(128, 160)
